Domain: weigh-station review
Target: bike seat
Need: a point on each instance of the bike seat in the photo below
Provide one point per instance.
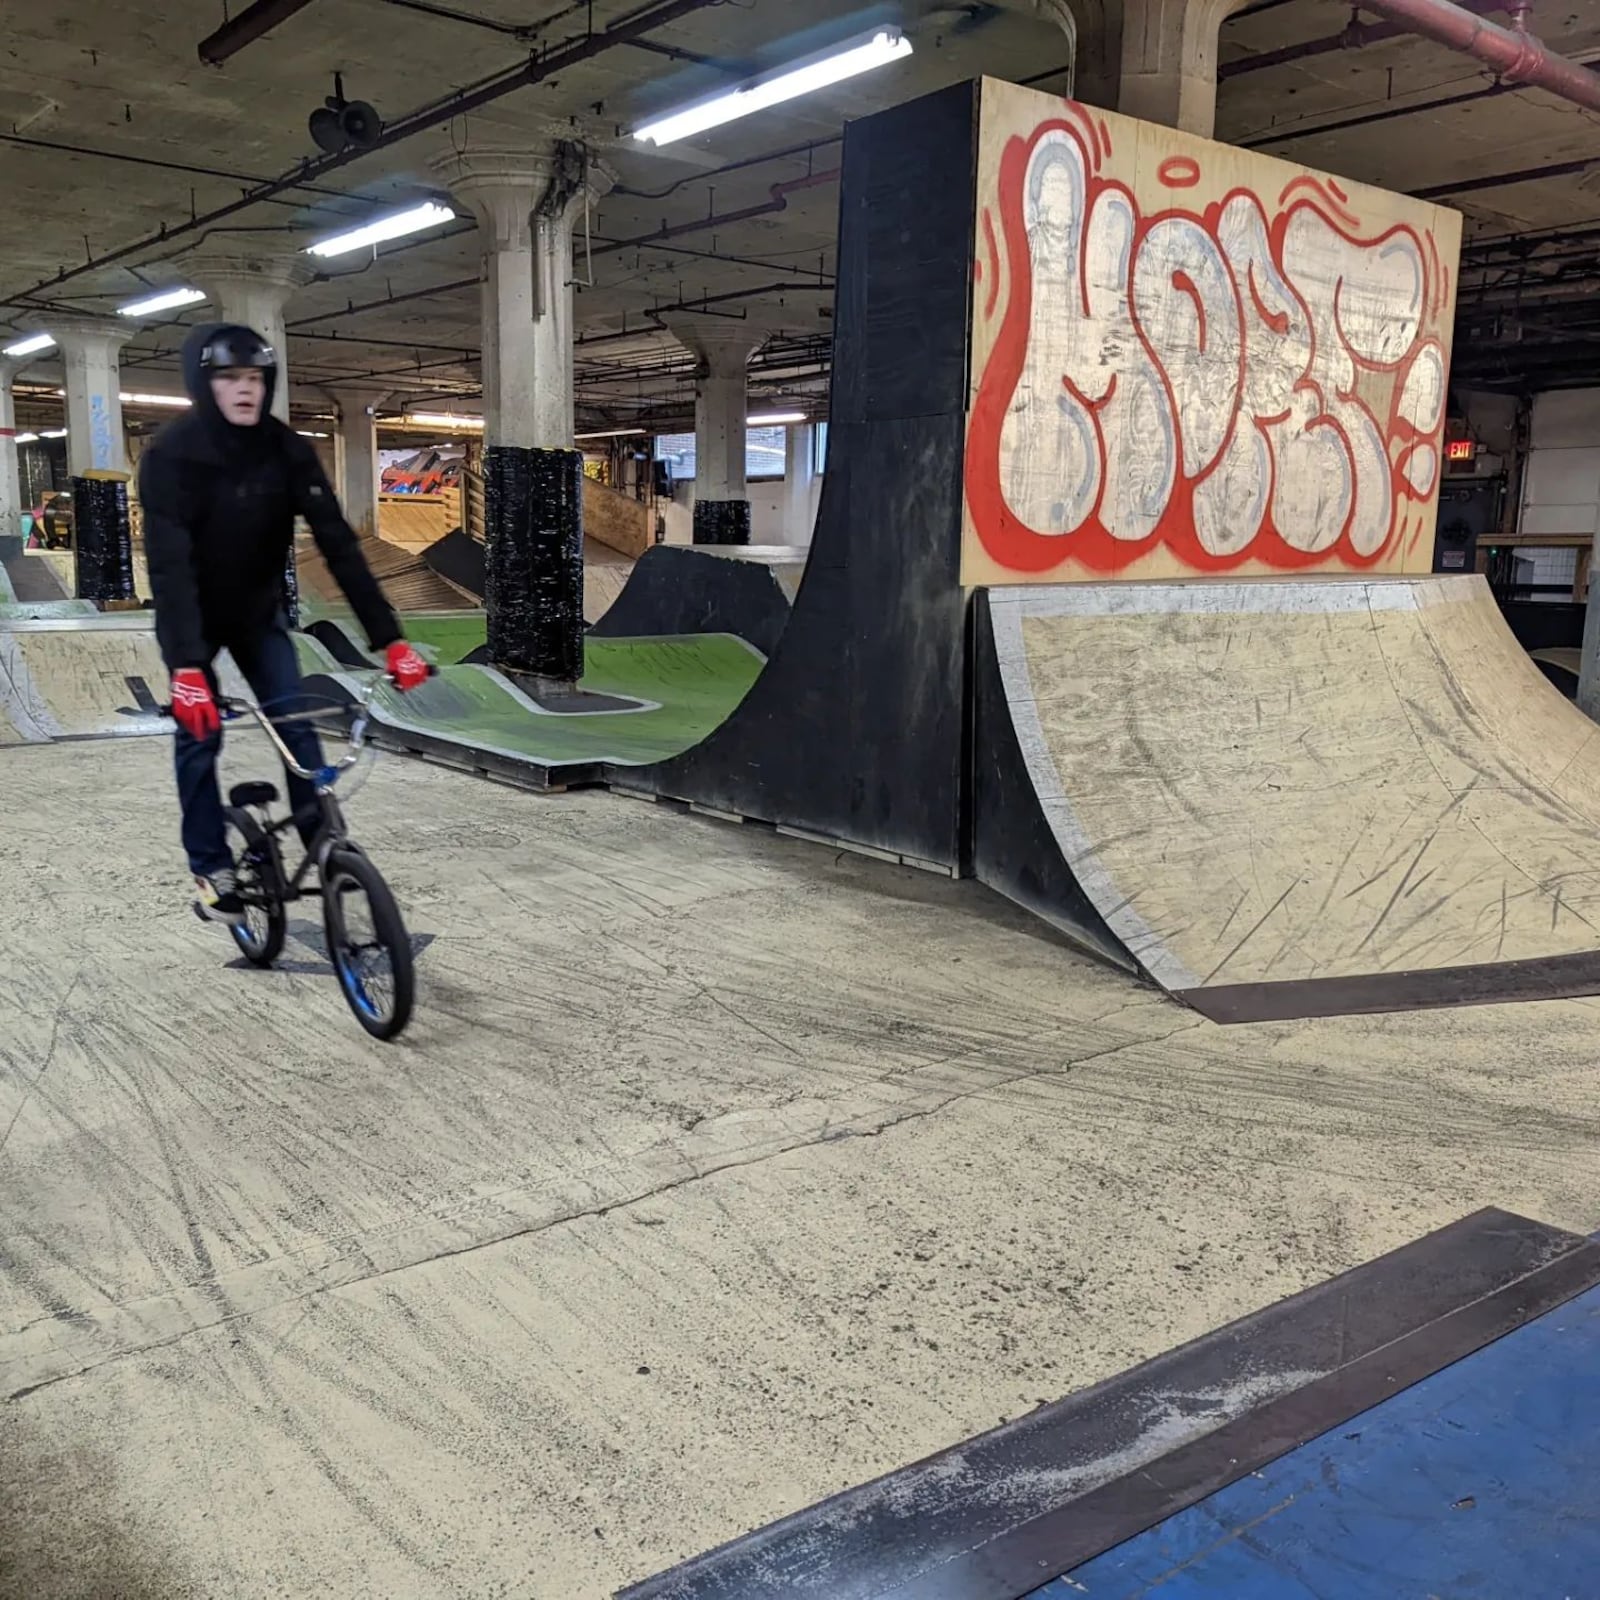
(252, 794)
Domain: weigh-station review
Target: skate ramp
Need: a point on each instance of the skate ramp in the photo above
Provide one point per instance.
(651, 698)
(403, 575)
(85, 678)
(459, 559)
(745, 590)
(1290, 798)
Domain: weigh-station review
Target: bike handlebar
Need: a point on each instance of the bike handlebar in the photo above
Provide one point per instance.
(231, 708)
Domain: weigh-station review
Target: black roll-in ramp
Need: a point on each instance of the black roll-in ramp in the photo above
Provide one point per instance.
(997, 1517)
(855, 732)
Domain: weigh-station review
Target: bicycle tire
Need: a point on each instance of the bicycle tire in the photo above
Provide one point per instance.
(260, 872)
(351, 867)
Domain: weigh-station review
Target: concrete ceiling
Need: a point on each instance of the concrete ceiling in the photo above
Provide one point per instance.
(113, 132)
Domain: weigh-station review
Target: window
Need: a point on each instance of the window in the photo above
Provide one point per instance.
(677, 450)
(763, 453)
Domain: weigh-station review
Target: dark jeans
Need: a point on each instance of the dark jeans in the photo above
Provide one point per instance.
(270, 668)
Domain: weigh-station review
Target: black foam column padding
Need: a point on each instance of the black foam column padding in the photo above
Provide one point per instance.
(102, 539)
(533, 577)
(722, 522)
(291, 590)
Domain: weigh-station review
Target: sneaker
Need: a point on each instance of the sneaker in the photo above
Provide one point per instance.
(218, 898)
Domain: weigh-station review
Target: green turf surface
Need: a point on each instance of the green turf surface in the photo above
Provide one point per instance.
(442, 636)
(695, 683)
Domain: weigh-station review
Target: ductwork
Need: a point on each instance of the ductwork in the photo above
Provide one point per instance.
(1513, 52)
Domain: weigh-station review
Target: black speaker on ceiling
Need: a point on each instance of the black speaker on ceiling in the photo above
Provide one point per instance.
(340, 124)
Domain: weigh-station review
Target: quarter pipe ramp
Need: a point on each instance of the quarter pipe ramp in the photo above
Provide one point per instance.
(1289, 798)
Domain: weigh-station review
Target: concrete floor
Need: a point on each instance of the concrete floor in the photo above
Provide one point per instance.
(717, 1173)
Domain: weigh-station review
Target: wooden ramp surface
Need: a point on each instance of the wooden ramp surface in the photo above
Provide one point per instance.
(1269, 783)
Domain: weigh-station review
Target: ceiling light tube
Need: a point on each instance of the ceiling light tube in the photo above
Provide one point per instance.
(30, 346)
(776, 419)
(26, 438)
(54, 433)
(437, 419)
(614, 433)
(155, 400)
(166, 300)
(789, 83)
(430, 214)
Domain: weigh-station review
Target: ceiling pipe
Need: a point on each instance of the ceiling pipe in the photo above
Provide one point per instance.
(246, 28)
(1513, 52)
(1355, 36)
(780, 193)
(656, 14)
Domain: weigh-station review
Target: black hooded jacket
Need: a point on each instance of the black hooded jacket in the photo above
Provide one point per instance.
(219, 506)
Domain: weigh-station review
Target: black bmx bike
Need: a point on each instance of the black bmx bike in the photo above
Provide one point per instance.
(368, 944)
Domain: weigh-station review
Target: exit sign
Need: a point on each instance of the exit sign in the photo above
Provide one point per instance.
(1460, 450)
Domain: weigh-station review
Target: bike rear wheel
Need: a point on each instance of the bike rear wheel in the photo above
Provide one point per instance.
(368, 944)
(260, 874)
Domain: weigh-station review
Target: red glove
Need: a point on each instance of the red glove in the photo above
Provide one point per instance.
(406, 668)
(193, 709)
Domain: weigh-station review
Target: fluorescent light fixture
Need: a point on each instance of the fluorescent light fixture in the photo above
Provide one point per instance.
(54, 433)
(306, 433)
(803, 77)
(167, 300)
(437, 419)
(428, 215)
(614, 433)
(176, 400)
(26, 438)
(30, 346)
(776, 419)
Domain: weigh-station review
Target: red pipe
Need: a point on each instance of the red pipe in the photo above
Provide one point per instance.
(1513, 52)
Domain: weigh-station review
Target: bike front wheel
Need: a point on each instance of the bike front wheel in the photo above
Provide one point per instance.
(368, 944)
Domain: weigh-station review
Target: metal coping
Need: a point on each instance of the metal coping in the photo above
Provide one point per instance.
(1563, 977)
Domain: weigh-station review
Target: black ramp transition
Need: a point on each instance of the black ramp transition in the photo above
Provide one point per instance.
(1013, 848)
(459, 559)
(999, 1516)
(676, 589)
(855, 729)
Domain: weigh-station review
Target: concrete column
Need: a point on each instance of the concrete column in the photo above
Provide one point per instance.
(253, 291)
(89, 357)
(10, 476)
(721, 423)
(527, 204)
(1169, 61)
(1093, 30)
(799, 477)
(357, 455)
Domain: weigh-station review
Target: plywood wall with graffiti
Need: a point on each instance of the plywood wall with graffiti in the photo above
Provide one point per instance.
(1190, 360)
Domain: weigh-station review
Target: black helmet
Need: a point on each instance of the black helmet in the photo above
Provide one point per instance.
(214, 347)
(236, 347)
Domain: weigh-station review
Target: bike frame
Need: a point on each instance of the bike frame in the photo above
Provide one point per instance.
(332, 832)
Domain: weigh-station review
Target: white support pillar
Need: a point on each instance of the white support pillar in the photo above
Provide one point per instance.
(89, 358)
(358, 455)
(10, 476)
(799, 480)
(526, 204)
(253, 291)
(721, 423)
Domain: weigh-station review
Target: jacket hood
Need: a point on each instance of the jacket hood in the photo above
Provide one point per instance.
(198, 383)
